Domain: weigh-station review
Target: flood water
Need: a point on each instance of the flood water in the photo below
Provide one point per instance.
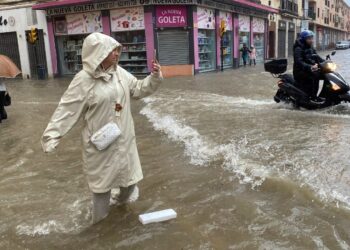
(241, 171)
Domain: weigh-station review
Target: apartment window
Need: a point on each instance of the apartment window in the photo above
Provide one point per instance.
(318, 12)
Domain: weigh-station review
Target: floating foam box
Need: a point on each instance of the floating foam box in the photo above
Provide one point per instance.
(158, 216)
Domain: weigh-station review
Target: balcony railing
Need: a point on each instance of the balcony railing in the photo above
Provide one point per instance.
(311, 14)
(289, 6)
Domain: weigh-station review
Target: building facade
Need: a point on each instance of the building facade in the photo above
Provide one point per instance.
(15, 22)
(183, 33)
(284, 26)
(329, 19)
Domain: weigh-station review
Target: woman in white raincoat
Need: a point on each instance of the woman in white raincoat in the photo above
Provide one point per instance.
(100, 93)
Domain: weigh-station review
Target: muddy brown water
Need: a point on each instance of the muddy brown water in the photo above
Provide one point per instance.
(241, 171)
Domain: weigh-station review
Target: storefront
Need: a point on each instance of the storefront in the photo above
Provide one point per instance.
(128, 28)
(227, 39)
(70, 32)
(173, 43)
(206, 39)
(244, 33)
(15, 23)
(259, 38)
(183, 35)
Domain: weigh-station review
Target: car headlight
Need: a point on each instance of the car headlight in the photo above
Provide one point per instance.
(335, 86)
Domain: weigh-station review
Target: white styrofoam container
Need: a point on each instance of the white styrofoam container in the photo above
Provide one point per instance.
(158, 216)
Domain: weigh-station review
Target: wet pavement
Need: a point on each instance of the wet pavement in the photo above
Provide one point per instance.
(241, 171)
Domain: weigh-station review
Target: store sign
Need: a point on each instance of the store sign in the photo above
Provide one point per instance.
(258, 25)
(114, 5)
(171, 16)
(244, 23)
(127, 19)
(84, 23)
(206, 18)
(3, 21)
(227, 18)
(7, 23)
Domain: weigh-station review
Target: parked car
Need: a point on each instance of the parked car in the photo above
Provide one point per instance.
(342, 45)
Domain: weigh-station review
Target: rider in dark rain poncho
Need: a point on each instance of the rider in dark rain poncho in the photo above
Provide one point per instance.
(306, 66)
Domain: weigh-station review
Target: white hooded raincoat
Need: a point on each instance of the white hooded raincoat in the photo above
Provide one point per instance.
(93, 94)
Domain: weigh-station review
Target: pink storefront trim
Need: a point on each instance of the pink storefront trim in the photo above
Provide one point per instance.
(51, 36)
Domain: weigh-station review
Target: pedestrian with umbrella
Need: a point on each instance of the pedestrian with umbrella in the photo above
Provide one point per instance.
(7, 70)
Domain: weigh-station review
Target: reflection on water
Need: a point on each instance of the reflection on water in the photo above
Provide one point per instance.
(241, 171)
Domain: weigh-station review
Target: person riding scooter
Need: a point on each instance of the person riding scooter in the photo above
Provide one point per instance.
(306, 65)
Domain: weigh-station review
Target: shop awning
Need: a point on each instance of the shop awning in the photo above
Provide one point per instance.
(59, 3)
(256, 5)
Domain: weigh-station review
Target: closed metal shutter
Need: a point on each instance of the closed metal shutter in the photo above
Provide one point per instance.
(9, 47)
(40, 57)
(282, 43)
(173, 47)
(291, 40)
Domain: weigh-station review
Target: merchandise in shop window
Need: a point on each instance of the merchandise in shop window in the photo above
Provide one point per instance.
(259, 46)
(258, 38)
(134, 54)
(227, 44)
(206, 50)
(72, 49)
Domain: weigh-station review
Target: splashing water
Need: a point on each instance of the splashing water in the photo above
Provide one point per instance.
(251, 162)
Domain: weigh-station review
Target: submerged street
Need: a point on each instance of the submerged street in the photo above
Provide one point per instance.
(241, 171)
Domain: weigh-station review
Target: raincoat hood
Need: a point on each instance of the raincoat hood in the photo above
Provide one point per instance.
(93, 95)
(96, 48)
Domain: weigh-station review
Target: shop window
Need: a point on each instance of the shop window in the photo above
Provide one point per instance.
(206, 39)
(128, 28)
(133, 57)
(70, 60)
(206, 50)
(258, 38)
(70, 32)
(227, 45)
(244, 33)
(227, 39)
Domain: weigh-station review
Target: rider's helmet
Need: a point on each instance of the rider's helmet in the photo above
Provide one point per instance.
(304, 35)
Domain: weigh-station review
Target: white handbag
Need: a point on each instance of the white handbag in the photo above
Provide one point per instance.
(105, 136)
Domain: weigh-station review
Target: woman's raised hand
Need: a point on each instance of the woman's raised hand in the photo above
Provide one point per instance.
(156, 68)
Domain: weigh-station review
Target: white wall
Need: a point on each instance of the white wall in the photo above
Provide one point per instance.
(21, 24)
